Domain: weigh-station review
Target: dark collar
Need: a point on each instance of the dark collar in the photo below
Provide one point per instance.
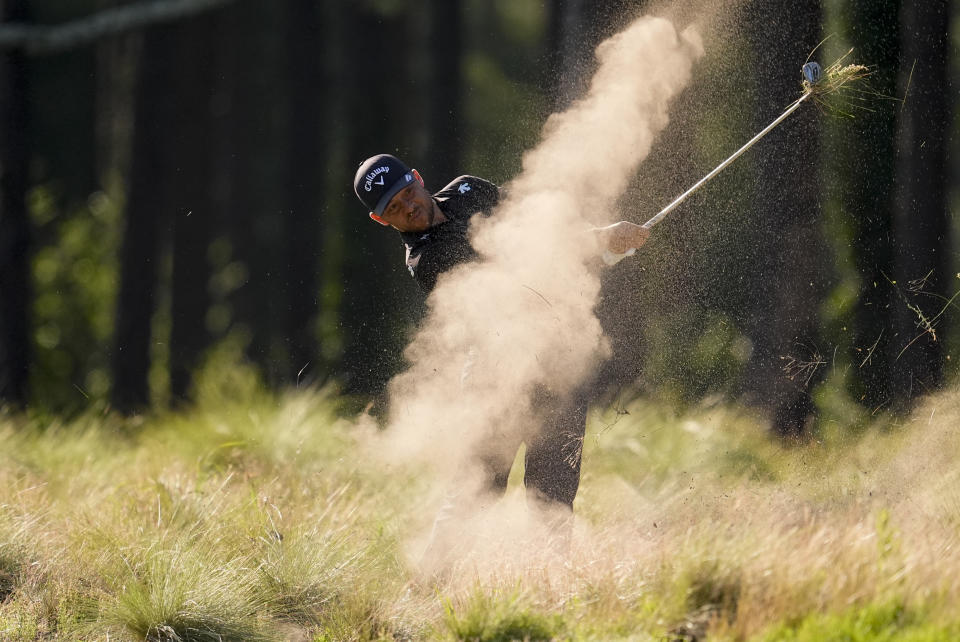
(412, 239)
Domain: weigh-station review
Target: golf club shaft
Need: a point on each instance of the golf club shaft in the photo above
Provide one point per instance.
(669, 208)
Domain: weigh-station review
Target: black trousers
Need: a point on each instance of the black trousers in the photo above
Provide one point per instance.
(553, 455)
(551, 477)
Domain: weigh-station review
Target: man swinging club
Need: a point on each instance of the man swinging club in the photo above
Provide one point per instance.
(433, 228)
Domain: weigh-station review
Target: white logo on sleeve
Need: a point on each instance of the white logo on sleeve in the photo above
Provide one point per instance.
(464, 187)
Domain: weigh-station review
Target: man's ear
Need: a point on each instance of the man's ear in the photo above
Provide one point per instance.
(378, 219)
(417, 176)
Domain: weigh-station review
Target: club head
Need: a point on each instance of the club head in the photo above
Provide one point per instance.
(812, 72)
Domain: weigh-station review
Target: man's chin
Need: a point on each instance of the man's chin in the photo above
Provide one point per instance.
(419, 222)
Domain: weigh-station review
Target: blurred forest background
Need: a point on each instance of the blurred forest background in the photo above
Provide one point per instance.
(175, 187)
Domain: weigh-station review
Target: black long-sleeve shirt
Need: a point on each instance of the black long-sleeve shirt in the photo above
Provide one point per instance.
(439, 248)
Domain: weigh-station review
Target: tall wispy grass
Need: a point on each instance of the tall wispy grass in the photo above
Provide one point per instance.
(700, 526)
(259, 517)
(239, 519)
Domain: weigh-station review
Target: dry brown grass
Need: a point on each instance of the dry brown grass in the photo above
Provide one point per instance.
(829, 529)
(690, 523)
(840, 89)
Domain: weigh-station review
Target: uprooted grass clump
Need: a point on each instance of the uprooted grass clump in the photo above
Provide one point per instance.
(839, 89)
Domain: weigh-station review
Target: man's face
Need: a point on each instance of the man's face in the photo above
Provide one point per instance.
(412, 209)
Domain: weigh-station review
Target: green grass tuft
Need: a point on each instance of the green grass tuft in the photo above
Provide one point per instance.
(885, 622)
(184, 596)
(493, 617)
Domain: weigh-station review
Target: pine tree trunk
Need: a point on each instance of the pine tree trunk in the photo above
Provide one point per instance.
(193, 206)
(574, 29)
(921, 224)
(145, 211)
(256, 137)
(15, 294)
(445, 121)
(866, 198)
(307, 136)
(377, 290)
(786, 275)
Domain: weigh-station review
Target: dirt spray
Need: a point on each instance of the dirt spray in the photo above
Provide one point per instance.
(521, 317)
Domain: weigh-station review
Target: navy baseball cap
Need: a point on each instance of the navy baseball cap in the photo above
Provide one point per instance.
(378, 178)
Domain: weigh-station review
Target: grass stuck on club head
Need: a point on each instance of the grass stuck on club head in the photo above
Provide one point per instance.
(837, 88)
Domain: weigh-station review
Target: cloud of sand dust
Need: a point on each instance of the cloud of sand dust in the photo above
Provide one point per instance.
(521, 318)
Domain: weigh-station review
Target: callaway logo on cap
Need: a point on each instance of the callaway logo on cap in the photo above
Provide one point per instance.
(378, 178)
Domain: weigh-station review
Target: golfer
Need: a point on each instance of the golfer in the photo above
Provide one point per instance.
(433, 228)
